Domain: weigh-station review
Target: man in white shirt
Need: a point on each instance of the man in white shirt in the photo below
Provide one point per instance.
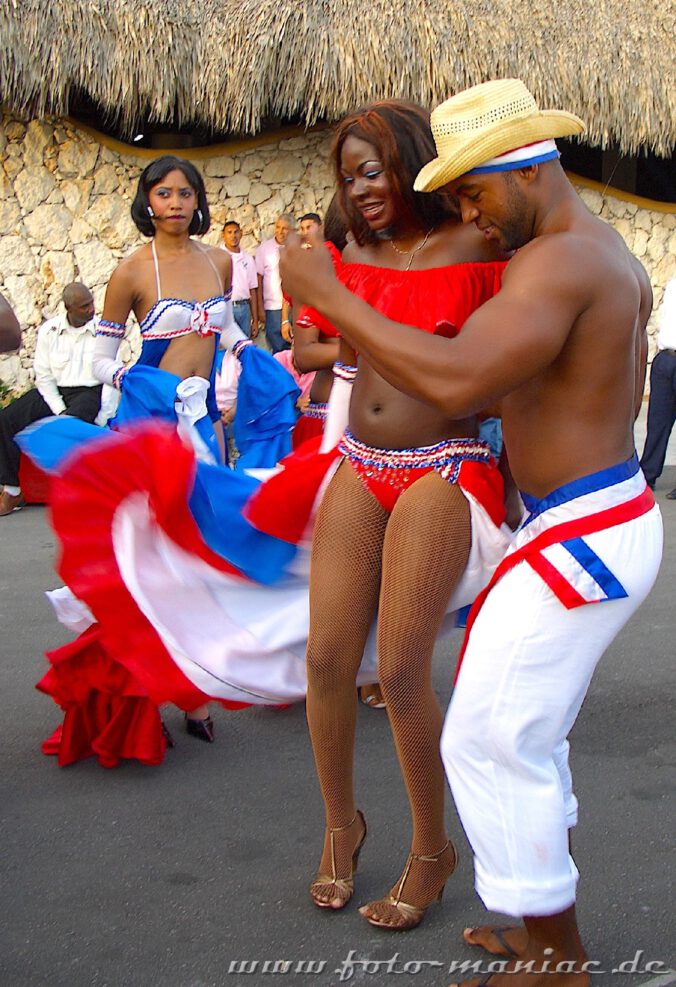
(64, 384)
(244, 281)
(270, 283)
(662, 404)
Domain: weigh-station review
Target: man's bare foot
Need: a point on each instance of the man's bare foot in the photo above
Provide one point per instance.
(498, 940)
(536, 970)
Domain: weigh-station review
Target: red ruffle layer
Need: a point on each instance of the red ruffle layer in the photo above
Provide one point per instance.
(111, 679)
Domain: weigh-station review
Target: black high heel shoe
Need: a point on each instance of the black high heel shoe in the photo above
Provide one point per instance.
(201, 729)
(168, 739)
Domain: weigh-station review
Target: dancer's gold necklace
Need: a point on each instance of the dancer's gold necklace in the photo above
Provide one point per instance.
(413, 251)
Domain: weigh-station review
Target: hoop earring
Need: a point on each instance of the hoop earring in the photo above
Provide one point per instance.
(200, 216)
(150, 212)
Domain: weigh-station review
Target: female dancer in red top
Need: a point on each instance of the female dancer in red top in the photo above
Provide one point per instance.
(393, 532)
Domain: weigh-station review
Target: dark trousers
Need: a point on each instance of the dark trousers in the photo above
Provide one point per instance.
(661, 413)
(273, 330)
(81, 402)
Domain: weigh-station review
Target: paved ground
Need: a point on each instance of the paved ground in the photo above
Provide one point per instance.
(175, 876)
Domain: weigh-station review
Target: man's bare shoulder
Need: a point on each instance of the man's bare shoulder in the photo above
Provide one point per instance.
(591, 254)
(548, 266)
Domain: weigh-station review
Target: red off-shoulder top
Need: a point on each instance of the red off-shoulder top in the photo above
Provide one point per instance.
(436, 300)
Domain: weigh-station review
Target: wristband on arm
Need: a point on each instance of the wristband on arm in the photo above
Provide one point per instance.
(231, 335)
(105, 365)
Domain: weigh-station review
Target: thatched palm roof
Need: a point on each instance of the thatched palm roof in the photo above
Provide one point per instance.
(232, 64)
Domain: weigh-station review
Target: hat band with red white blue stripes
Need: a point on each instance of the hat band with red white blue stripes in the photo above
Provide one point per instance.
(522, 157)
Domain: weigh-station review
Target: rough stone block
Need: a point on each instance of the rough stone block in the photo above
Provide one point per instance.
(259, 193)
(237, 185)
(77, 158)
(25, 295)
(33, 186)
(76, 194)
(39, 135)
(284, 168)
(109, 216)
(106, 180)
(16, 257)
(221, 167)
(95, 262)
(640, 243)
(10, 216)
(49, 225)
(57, 269)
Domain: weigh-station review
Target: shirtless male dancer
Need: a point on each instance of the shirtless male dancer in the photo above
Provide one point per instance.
(562, 346)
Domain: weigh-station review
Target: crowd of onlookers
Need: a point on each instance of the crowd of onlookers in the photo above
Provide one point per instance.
(65, 384)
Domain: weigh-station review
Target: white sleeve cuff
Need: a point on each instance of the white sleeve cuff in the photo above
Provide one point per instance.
(337, 416)
(105, 366)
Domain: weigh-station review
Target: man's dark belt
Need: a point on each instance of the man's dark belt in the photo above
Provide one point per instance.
(239, 301)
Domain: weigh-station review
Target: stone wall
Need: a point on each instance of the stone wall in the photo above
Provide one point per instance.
(65, 199)
(649, 234)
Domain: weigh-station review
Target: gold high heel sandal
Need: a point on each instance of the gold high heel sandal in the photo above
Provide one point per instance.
(327, 887)
(404, 915)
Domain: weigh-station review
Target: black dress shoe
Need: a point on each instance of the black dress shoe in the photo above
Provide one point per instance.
(202, 729)
(672, 494)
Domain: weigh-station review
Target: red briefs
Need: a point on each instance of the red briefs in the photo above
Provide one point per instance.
(310, 424)
(387, 473)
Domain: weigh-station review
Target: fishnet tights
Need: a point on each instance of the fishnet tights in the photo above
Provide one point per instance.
(420, 550)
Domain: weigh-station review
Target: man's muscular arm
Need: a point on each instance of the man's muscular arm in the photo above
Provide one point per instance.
(508, 341)
(10, 330)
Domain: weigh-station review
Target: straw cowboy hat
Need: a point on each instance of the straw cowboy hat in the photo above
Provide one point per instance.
(485, 121)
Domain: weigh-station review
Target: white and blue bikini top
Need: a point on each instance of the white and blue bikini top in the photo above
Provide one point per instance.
(171, 317)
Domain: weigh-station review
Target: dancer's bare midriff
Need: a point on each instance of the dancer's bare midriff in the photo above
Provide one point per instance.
(189, 356)
(385, 418)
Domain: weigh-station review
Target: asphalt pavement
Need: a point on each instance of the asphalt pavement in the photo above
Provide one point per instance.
(195, 873)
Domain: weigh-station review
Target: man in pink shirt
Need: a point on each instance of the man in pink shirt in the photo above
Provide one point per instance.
(270, 284)
(244, 281)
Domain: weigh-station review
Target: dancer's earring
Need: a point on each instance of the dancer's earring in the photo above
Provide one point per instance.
(200, 216)
(150, 212)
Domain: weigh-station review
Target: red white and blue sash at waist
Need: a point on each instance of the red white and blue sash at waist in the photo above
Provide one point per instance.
(551, 539)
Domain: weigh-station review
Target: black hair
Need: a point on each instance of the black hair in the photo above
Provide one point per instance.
(315, 217)
(231, 222)
(153, 175)
(401, 135)
(335, 227)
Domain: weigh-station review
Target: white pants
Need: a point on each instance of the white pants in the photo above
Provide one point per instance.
(525, 674)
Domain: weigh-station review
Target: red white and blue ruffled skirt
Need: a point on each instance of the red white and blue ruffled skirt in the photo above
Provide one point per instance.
(187, 582)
